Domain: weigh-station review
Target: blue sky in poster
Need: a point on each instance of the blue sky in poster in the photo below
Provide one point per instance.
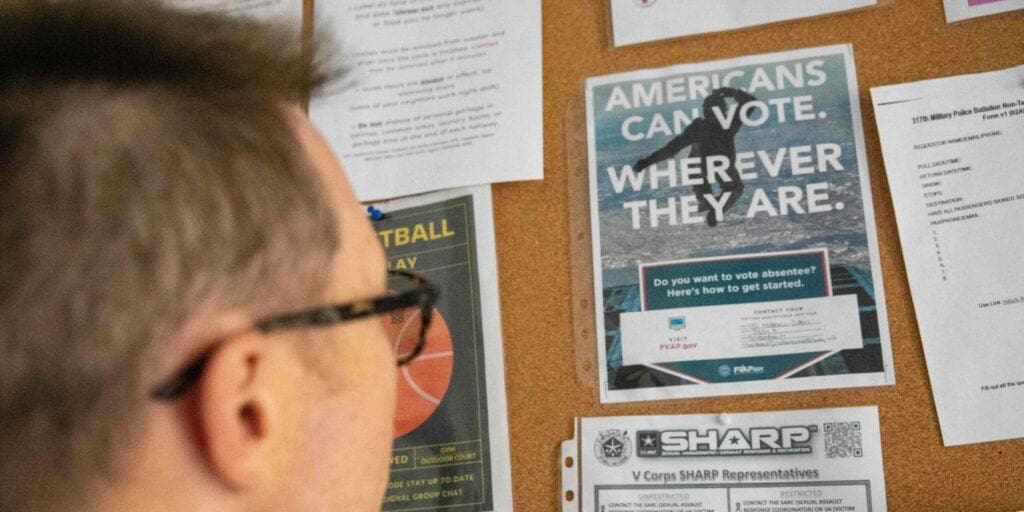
(842, 232)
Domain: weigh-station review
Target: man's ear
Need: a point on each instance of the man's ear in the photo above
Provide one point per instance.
(234, 413)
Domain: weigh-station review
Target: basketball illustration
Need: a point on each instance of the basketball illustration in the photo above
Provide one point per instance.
(423, 382)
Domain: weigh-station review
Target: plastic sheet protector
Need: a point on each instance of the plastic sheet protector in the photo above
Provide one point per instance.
(733, 236)
(817, 460)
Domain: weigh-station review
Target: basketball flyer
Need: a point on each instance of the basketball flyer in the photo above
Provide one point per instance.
(733, 234)
(451, 429)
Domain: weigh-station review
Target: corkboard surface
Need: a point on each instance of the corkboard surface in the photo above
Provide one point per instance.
(902, 41)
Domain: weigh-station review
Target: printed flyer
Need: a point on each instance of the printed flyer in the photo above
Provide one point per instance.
(953, 154)
(733, 233)
(818, 460)
(957, 10)
(443, 94)
(639, 21)
(451, 429)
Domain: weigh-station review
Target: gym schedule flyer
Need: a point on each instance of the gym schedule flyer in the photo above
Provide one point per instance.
(957, 10)
(953, 154)
(639, 21)
(451, 431)
(733, 233)
(816, 460)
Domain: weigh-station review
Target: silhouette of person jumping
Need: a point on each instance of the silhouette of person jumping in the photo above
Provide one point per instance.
(709, 138)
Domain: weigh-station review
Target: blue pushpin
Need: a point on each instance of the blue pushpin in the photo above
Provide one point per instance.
(375, 214)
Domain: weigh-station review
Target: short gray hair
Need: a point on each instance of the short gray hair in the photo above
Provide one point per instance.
(148, 169)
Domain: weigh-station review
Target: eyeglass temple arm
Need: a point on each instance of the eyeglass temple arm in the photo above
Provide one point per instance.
(182, 381)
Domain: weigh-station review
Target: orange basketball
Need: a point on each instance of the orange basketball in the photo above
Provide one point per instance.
(423, 382)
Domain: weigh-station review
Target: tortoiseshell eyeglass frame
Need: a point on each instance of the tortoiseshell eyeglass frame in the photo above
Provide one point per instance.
(420, 294)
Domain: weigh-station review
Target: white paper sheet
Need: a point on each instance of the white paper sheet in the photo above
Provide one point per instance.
(789, 461)
(258, 9)
(733, 331)
(953, 150)
(639, 21)
(957, 10)
(443, 94)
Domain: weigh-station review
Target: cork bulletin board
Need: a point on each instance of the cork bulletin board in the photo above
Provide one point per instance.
(542, 240)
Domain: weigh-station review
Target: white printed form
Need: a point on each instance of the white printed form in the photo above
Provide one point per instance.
(820, 460)
(442, 93)
(741, 330)
(954, 155)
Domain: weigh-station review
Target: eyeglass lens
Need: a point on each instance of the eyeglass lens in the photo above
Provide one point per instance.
(404, 328)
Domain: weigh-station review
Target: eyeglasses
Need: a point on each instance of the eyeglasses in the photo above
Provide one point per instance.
(409, 304)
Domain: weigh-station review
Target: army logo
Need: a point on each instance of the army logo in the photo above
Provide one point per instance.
(612, 447)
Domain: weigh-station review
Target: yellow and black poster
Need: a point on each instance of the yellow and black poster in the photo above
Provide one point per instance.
(451, 441)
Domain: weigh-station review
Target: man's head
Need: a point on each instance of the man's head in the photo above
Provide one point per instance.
(160, 193)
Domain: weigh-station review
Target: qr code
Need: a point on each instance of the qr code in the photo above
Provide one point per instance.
(843, 439)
